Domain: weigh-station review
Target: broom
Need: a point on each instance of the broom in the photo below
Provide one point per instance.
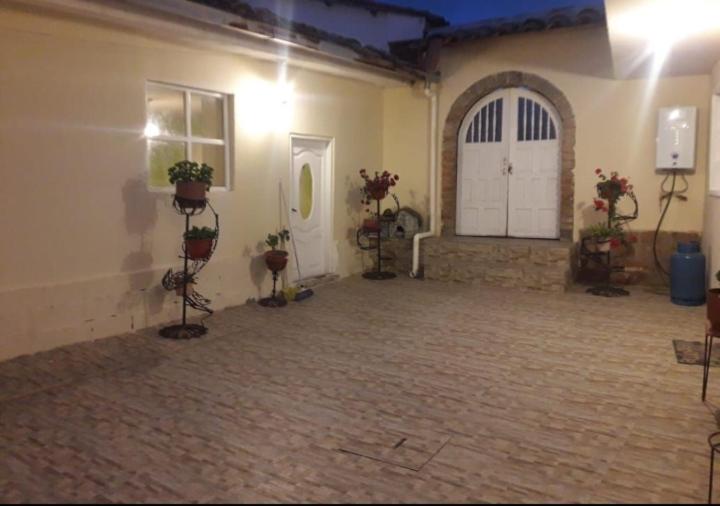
(303, 292)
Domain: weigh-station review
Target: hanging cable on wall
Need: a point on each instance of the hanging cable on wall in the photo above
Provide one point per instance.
(669, 195)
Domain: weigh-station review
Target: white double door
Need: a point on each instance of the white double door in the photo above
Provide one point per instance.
(509, 167)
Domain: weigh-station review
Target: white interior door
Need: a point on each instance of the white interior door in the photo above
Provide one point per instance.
(534, 174)
(482, 168)
(509, 167)
(309, 205)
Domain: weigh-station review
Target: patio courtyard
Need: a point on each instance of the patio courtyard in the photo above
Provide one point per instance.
(404, 391)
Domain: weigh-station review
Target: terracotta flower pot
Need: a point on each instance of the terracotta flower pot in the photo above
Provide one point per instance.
(371, 225)
(276, 260)
(198, 249)
(190, 193)
(713, 309)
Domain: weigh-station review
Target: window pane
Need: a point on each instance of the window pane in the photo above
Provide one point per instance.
(165, 111)
(484, 124)
(206, 116)
(528, 119)
(498, 120)
(305, 188)
(491, 121)
(476, 128)
(214, 156)
(163, 155)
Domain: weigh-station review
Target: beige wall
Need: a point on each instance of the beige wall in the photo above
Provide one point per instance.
(85, 244)
(711, 242)
(615, 120)
(406, 118)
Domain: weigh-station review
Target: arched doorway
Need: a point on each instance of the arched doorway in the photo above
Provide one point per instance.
(458, 114)
(509, 166)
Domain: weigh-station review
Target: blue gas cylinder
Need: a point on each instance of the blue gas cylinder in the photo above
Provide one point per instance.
(687, 275)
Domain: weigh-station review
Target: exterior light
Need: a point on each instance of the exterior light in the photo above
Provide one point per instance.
(661, 24)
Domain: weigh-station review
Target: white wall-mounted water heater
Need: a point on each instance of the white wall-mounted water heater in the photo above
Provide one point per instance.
(676, 138)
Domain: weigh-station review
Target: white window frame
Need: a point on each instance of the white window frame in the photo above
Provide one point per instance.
(188, 138)
(714, 162)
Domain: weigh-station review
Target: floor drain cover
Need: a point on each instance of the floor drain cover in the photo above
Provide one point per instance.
(407, 449)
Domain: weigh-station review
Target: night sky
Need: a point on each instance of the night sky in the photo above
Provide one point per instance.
(460, 12)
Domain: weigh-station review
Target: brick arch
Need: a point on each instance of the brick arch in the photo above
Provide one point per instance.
(457, 114)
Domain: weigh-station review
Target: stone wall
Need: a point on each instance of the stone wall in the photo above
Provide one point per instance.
(538, 265)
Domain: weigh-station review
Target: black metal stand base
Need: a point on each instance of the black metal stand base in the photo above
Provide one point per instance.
(379, 276)
(608, 291)
(273, 302)
(187, 331)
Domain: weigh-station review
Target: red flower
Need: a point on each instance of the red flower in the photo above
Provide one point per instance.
(615, 242)
(598, 171)
(599, 204)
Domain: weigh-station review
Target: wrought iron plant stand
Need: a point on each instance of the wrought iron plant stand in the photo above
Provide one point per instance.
(604, 258)
(365, 239)
(187, 277)
(273, 300)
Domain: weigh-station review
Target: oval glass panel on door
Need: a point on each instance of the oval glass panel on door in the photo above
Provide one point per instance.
(306, 191)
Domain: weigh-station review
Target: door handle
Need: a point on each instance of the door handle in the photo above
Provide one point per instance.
(293, 210)
(510, 169)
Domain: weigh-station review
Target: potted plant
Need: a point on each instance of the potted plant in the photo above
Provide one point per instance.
(610, 190)
(375, 188)
(604, 237)
(191, 181)
(713, 306)
(199, 242)
(276, 259)
(371, 225)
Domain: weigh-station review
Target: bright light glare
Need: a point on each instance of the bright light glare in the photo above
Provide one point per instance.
(664, 23)
(151, 129)
(265, 106)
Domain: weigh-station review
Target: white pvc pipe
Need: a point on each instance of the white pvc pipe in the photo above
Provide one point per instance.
(432, 95)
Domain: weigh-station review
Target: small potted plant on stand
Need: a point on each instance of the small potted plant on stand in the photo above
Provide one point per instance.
(611, 235)
(191, 180)
(376, 188)
(276, 260)
(199, 242)
(604, 238)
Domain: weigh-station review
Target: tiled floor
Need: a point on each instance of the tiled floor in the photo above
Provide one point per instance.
(500, 395)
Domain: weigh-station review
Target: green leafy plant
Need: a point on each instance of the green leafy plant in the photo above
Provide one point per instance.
(274, 239)
(602, 231)
(201, 233)
(191, 172)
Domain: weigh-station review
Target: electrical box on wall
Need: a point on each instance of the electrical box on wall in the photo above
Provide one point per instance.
(676, 138)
